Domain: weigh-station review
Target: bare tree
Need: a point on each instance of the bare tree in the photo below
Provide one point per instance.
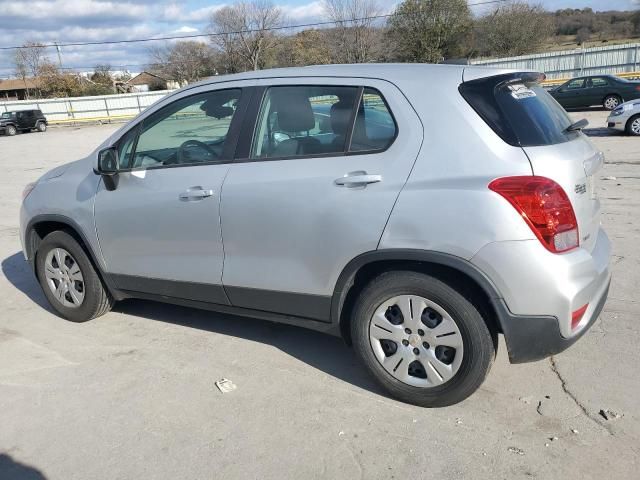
(514, 29)
(583, 35)
(242, 32)
(186, 61)
(22, 71)
(102, 74)
(29, 60)
(355, 37)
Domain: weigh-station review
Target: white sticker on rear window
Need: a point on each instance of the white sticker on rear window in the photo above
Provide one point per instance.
(520, 91)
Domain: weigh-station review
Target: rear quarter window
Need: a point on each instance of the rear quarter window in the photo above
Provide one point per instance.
(519, 110)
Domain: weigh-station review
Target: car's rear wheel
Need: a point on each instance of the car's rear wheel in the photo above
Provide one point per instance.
(611, 102)
(42, 127)
(422, 340)
(69, 280)
(11, 130)
(633, 126)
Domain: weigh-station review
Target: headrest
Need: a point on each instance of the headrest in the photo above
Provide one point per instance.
(294, 111)
(340, 115)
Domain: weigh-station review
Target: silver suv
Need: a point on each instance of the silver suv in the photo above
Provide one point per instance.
(417, 211)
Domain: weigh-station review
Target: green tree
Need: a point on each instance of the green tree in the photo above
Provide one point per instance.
(429, 30)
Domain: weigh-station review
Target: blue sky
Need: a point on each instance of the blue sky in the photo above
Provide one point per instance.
(95, 20)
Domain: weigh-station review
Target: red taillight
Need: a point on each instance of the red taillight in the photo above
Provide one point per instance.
(545, 206)
(638, 88)
(577, 316)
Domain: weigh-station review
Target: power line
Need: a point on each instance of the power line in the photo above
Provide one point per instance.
(200, 35)
(141, 65)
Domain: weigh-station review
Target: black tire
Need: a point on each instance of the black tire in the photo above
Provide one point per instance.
(628, 127)
(478, 340)
(41, 127)
(611, 102)
(97, 300)
(11, 130)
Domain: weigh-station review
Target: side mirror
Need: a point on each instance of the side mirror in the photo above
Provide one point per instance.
(108, 161)
(108, 167)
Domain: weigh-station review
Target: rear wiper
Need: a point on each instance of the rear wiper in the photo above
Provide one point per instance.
(579, 125)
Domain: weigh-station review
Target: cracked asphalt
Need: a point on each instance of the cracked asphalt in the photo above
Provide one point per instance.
(131, 395)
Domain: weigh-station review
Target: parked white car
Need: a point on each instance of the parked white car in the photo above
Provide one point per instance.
(626, 118)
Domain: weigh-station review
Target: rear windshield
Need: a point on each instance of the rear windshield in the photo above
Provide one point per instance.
(520, 111)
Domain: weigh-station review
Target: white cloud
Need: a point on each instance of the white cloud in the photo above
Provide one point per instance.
(311, 11)
(71, 9)
(174, 12)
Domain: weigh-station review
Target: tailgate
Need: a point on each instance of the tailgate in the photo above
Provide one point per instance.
(573, 166)
(523, 114)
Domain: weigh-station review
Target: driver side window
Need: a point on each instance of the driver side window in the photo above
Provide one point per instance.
(574, 84)
(189, 131)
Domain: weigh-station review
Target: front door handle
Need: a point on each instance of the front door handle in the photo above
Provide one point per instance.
(195, 193)
(357, 179)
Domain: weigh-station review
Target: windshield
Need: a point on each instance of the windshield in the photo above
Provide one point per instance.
(6, 115)
(520, 111)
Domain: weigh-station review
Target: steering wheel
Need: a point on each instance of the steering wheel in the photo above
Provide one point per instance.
(182, 158)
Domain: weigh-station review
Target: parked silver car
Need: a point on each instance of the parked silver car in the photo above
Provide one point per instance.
(418, 211)
(626, 118)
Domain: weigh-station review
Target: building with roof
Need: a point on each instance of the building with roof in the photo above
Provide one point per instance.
(17, 88)
(147, 81)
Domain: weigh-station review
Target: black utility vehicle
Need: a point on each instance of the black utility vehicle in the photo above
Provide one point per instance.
(22, 121)
(606, 90)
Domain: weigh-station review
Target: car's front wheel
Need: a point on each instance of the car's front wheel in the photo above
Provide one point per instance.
(422, 340)
(611, 102)
(633, 126)
(11, 130)
(69, 280)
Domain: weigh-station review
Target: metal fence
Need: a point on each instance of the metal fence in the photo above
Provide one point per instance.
(89, 109)
(570, 63)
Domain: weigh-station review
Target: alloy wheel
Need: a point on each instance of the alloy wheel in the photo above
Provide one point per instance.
(64, 278)
(416, 341)
(635, 126)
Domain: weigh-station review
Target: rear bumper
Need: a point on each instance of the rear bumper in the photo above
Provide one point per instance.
(531, 338)
(539, 291)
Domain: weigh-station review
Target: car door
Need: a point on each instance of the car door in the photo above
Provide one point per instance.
(571, 94)
(304, 200)
(597, 88)
(22, 119)
(159, 230)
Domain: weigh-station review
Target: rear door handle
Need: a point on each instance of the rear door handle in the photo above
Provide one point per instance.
(357, 179)
(195, 193)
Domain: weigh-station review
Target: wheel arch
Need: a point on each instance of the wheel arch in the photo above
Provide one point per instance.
(631, 119)
(42, 225)
(451, 269)
(612, 94)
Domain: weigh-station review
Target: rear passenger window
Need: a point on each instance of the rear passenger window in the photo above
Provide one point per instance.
(375, 128)
(308, 120)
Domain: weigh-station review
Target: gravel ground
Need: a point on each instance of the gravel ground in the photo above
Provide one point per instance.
(132, 394)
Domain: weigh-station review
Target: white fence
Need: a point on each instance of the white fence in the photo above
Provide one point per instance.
(87, 109)
(570, 63)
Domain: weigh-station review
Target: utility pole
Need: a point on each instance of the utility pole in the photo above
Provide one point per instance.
(59, 54)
